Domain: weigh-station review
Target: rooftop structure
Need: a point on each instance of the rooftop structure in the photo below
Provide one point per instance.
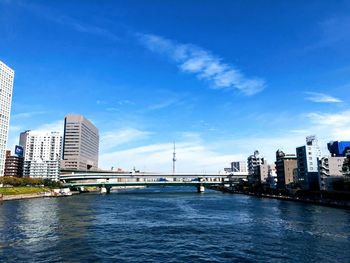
(337, 148)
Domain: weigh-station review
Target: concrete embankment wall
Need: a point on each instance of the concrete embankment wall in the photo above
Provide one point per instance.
(21, 196)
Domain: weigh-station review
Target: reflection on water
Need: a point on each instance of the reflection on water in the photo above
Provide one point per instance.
(172, 225)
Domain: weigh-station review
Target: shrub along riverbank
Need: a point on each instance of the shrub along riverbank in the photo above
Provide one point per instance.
(17, 186)
(23, 190)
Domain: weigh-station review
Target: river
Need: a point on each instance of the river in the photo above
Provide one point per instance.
(171, 225)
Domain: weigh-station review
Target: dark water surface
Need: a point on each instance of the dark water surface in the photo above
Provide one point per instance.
(171, 225)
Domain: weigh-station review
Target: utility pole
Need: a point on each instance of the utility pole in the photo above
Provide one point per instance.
(174, 159)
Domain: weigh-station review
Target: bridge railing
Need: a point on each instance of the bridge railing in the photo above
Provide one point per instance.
(142, 179)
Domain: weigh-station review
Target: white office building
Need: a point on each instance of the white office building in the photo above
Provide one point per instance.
(6, 88)
(307, 159)
(42, 154)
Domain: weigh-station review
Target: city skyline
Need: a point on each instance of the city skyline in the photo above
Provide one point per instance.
(220, 79)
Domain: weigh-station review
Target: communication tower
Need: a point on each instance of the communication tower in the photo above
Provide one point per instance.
(174, 159)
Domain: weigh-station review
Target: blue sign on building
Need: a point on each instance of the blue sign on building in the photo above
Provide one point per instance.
(338, 148)
(19, 151)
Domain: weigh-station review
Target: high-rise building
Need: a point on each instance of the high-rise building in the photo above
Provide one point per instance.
(307, 159)
(239, 166)
(253, 161)
(80, 144)
(257, 168)
(42, 154)
(285, 165)
(6, 88)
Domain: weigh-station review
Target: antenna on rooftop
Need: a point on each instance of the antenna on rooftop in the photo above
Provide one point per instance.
(174, 159)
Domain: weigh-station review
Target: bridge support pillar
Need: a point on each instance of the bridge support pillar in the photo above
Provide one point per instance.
(105, 190)
(200, 188)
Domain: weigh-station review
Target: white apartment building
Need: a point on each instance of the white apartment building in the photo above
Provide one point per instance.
(307, 159)
(6, 88)
(42, 154)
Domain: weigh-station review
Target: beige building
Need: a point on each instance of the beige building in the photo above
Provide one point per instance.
(80, 144)
(6, 88)
(285, 165)
(329, 168)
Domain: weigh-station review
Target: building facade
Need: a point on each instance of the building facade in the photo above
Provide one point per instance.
(6, 89)
(307, 160)
(329, 169)
(42, 154)
(80, 144)
(253, 161)
(337, 148)
(13, 165)
(285, 165)
(257, 168)
(240, 166)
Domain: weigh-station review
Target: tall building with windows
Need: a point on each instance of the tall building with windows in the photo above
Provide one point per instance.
(257, 168)
(13, 165)
(239, 166)
(285, 165)
(6, 88)
(307, 159)
(80, 144)
(330, 170)
(42, 154)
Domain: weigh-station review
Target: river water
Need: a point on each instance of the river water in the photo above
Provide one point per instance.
(171, 225)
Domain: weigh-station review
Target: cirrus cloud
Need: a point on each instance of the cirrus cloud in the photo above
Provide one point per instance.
(321, 98)
(202, 63)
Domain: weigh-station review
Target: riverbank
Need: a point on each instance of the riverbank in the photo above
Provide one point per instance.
(18, 193)
(323, 202)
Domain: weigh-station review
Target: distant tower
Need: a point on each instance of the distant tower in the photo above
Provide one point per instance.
(174, 159)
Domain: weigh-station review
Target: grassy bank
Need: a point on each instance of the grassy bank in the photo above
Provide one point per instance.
(23, 190)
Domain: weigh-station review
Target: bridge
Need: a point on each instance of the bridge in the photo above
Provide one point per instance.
(105, 181)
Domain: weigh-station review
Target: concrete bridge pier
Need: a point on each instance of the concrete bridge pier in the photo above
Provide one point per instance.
(200, 188)
(105, 190)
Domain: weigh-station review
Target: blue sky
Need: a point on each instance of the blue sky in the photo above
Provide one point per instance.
(221, 78)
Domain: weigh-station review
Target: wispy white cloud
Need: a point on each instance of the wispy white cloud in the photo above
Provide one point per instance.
(15, 130)
(125, 102)
(114, 138)
(321, 97)
(70, 22)
(341, 119)
(335, 29)
(191, 157)
(83, 28)
(333, 32)
(26, 115)
(202, 63)
(194, 154)
(55, 126)
(164, 104)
